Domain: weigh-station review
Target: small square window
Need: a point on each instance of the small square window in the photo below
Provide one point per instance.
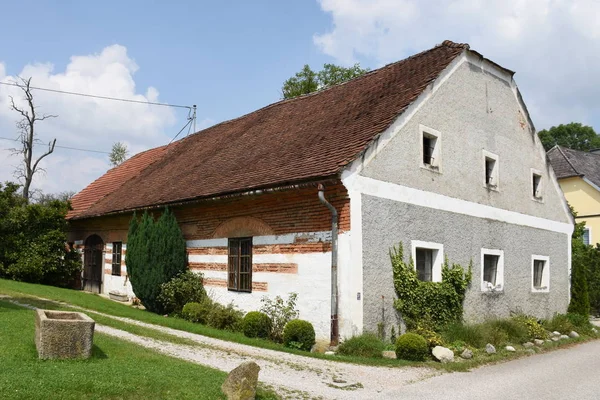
(492, 270)
(428, 258)
(430, 148)
(490, 170)
(536, 185)
(540, 273)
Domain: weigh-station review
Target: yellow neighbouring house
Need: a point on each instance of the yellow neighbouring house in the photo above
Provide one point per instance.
(578, 173)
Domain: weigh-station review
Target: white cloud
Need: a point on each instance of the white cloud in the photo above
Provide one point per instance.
(84, 122)
(553, 45)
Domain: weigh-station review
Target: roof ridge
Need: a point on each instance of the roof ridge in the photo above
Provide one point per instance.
(567, 159)
(445, 43)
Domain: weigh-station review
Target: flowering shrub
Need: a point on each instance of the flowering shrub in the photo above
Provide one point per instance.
(280, 312)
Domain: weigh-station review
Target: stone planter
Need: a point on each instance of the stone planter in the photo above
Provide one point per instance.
(118, 296)
(63, 335)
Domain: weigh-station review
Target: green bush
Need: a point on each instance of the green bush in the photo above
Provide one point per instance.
(580, 260)
(281, 312)
(581, 323)
(198, 312)
(433, 338)
(184, 288)
(534, 329)
(365, 345)
(514, 331)
(257, 324)
(156, 253)
(472, 335)
(412, 347)
(225, 317)
(560, 323)
(300, 334)
(434, 303)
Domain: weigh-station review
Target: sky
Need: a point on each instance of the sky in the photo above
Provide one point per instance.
(231, 57)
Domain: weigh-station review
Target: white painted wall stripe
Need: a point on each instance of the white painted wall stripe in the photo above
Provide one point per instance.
(305, 237)
(422, 198)
(256, 258)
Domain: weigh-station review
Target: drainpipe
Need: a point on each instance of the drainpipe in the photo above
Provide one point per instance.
(334, 257)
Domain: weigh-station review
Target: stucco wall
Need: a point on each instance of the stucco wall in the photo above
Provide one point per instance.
(474, 111)
(387, 222)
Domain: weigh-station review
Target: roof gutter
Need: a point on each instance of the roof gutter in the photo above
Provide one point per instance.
(334, 270)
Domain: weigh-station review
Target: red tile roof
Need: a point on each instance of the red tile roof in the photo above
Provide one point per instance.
(302, 139)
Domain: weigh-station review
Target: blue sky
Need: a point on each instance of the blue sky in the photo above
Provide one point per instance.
(231, 58)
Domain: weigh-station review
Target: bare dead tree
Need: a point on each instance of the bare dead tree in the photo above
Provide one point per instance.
(27, 137)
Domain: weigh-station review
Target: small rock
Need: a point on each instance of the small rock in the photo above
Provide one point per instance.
(574, 334)
(490, 349)
(509, 348)
(389, 354)
(443, 354)
(548, 340)
(555, 338)
(338, 380)
(330, 353)
(530, 351)
(528, 345)
(594, 330)
(556, 333)
(467, 354)
(538, 342)
(241, 382)
(564, 337)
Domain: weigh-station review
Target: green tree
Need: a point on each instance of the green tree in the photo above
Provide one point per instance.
(308, 81)
(574, 136)
(156, 253)
(118, 154)
(580, 299)
(33, 240)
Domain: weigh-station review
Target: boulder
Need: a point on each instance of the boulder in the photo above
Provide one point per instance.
(466, 354)
(528, 345)
(490, 349)
(564, 337)
(556, 333)
(509, 348)
(555, 338)
(574, 334)
(443, 354)
(389, 354)
(330, 353)
(241, 382)
(594, 330)
(538, 342)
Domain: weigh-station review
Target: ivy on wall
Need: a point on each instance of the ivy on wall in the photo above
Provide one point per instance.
(431, 304)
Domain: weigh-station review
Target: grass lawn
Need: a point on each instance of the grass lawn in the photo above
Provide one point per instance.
(116, 370)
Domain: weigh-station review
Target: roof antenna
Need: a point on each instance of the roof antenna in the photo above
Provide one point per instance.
(194, 117)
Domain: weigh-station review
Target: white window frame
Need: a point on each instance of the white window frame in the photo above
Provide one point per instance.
(438, 261)
(545, 275)
(589, 229)
(495, 173)
(436, 166)
(540, 189)
(485, 287)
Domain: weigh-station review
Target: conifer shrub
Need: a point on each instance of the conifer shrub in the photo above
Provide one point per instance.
(257, 324)
(411, 347)
(198, 312)
(156, 253)
(580, 260)
(299, 334)
(366, 345)
(225, 317)
(184, 288)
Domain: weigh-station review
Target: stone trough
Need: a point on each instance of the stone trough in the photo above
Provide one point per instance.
(63, 334)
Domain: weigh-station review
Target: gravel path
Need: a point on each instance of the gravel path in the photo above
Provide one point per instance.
(292, 376)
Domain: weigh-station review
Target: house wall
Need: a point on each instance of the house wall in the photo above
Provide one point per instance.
(387, 222)
(291, 233)
(474, 106)
(586, 201)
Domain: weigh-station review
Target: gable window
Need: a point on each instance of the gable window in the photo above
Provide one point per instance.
(540, 273)
(239, 265)
(490, 170)
(587, 236)
(428, 258)
(117, 248)
(536, 184)
(492, 270)
(430, 148)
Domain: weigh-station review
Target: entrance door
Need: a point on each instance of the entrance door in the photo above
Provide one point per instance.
(93, 255)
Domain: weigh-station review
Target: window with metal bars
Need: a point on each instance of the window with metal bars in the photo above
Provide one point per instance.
(240, 265)
(117, 248)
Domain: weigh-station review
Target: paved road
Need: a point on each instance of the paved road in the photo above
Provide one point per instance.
(572, 373)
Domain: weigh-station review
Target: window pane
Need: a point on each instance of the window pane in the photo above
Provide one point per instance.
(538, 272)
(586, 236)
(490, 267)
(428, 145)
(424, 264)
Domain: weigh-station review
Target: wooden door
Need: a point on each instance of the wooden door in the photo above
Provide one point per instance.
(93, 255)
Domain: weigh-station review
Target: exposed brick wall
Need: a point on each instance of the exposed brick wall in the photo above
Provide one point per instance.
(291, 211)
(285, 268)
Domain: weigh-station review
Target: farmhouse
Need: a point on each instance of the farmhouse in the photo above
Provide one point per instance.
(436, 151)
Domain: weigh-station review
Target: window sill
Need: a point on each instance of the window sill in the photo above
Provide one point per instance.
(538, 199)
(430, 168)
(491, 188)
(238, 290)
(492, 292)
(540, 290)
(115, 274)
